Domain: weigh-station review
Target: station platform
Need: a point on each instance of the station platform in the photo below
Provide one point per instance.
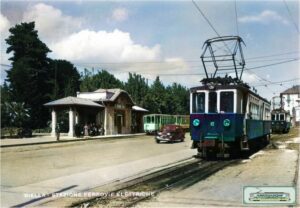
(47, 139)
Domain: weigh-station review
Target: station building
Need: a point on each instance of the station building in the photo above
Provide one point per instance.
(111, 109)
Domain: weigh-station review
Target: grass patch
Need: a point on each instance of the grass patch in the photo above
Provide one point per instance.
(293, 146)
(294, 132)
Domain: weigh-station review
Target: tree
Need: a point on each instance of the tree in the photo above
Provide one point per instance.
(19, 115)
(177, 99)
(137, 87)
(102, 79)
(64, 78)
(29, 76)
(155, 100)
(5, 98)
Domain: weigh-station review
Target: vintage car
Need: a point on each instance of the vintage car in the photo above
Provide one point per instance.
(170, 133)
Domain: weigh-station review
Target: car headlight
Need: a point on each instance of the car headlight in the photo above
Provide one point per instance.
(196, 122)
(226, 122)
(169, 134)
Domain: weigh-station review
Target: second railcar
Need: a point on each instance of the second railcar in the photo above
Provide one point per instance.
(281, 121)
(154, 122)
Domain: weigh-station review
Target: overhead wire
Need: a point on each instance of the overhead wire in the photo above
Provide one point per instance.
(210, 24)
(278, 82)
(207, 20)
(291, 17)
(236, 18)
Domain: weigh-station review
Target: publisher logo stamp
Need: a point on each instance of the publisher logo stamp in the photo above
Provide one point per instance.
(282, 195)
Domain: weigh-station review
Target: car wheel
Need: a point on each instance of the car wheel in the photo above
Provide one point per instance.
(157, 141)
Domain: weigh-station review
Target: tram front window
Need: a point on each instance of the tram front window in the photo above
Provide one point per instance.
(281, 117)
(226, 102)
(212, 102)
(273, 117)
(199, 102)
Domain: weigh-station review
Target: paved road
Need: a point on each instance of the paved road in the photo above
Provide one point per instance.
(80, 166)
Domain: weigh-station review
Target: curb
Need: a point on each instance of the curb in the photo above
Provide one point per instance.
(66, 141)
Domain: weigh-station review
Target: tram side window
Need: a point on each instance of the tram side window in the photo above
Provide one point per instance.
(212, 102)
(152, 119)
(199, 102)
(267, 114)
(148, 119)
(254, 108)
(226, 102)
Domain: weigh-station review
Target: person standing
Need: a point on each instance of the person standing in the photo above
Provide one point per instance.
(86, 130)
(57, 131)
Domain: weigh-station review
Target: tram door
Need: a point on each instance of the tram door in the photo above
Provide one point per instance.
(119, 123)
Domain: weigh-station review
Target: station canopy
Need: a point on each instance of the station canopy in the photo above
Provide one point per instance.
(73, 101)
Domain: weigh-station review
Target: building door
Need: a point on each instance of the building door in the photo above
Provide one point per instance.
(119, 123)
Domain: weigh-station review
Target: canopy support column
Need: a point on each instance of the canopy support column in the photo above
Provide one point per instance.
(53, 122)
(71, 123)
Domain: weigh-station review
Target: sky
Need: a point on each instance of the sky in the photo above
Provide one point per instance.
(163, 38)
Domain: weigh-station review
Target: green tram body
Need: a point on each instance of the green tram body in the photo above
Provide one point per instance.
(154, 122)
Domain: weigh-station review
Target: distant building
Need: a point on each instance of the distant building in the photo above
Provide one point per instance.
(111, 109)
(290, 101)
(276, 103)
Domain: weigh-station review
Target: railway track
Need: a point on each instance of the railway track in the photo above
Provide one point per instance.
(144, 188)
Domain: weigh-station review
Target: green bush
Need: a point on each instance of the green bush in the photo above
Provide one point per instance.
(9, 132)
(44, 130)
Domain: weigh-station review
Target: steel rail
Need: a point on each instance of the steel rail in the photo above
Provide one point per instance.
(183, 173)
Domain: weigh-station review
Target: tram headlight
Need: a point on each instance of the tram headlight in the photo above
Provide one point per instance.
(196, 122)
(226, 123)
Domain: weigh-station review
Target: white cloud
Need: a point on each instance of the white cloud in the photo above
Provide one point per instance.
(120, 14)
(50, 22)
(4, 24)
(249, 78)
(102, 46)
(265, 17)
